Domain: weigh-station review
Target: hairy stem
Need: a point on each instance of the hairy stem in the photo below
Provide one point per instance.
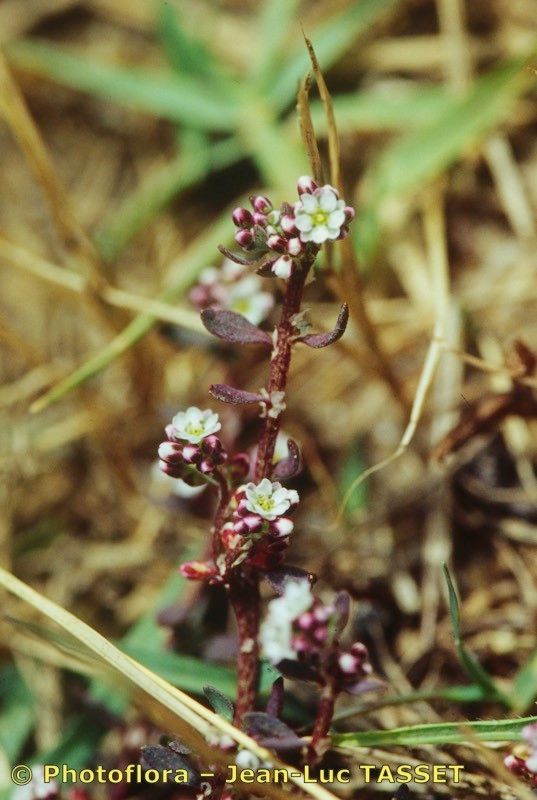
(319, 736)
(244, 598)
(279, 366)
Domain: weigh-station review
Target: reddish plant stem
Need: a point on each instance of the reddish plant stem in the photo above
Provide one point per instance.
(244, 598)
(244, 589)
(325, 714)
(279, 367)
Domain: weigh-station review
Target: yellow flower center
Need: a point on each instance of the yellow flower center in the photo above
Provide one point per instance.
(194, 430)
(241, 305)
(320, 217)
(266, 503)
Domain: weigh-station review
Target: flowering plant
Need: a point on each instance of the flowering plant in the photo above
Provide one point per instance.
(252, 524)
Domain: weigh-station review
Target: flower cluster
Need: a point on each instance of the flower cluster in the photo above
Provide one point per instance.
(523, 762)
(299, 627)
(233, 288)
(258, 529)
(192, 449)
(282, 236)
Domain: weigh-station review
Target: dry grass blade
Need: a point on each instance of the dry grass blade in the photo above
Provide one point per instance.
(307, 131)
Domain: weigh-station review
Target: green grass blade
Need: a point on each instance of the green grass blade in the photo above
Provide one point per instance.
(178, 98)
(190, 167)
(524, 687)
(437, 733)
(403, 107)
(17, 715)
(185, 54)
(276, 25)
(419, 157)
(470, 663)
(330, 40)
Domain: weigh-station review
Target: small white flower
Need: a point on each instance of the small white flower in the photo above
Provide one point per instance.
(246, 298)
(193, 425)
(276, 632)
(268, 499)
(320, 216)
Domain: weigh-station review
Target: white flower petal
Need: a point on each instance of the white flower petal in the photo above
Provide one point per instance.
(336, 219)
(309, 203)
(319, 234)
(327, 200)
(303, 222)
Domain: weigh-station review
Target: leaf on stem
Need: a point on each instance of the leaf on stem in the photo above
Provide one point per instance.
(237, 397)
(162, 758)
(271, 732)
(307, 130)
(233, 327)
(318, 340)
(289, 466)
(275, 702)
(219, 702)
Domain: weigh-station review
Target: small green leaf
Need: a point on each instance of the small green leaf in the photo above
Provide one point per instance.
(438, 733)
(184, 53)
(353, 466)
(219, 702)
(17, 717)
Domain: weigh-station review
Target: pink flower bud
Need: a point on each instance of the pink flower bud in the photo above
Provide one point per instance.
(348, 664)
(250, 524)
(244, 238)
(349, 213)
(306, 621)
(206, 466)
(191, 453)
(171, 452)
(242, 507)
(278, 243)
(173, 470)
(261, 204)
(283, 267)
(294, 246)
(288, 225)
(197, 570)
(169, 430)
(242, 218)
(281, 527)
(306, 185)
(260, 219)
(320, 634)
(211, 445)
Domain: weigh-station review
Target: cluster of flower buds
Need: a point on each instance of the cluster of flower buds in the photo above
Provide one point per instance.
(258, 529)
(234, 288)
(301, 628)
(523, 761)
(192, 449)
(318, 216)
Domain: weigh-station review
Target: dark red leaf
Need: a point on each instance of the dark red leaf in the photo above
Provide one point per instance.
(233, 327)
(271, 732)
(275, 701)
(342, 606)
(324, 339)
(298, 670)
(238, 397)
(162, 758)
(289, 466)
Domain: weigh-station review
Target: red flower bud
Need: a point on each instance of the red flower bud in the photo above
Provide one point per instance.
(287, 223)
(261, 204)
(244, 238)
(242, 218)
(306, 185)
(197, 570)
(276, 242)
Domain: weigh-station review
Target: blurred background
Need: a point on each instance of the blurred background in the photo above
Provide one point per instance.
(129, 131)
